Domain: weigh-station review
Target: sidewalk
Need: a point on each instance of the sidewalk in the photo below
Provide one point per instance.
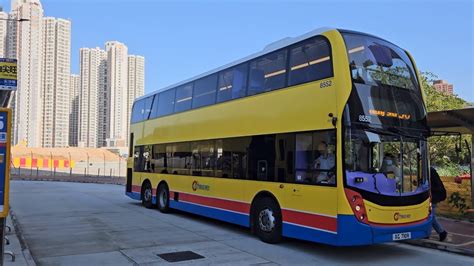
(460, 237)
(22, 257)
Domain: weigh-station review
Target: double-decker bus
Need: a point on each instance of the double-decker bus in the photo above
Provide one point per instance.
(320, 137)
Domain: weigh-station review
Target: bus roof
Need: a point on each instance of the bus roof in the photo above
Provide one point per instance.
(267, 49)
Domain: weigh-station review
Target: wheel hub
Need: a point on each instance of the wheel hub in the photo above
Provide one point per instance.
(266, 220)
(147, 195)
(163, 198)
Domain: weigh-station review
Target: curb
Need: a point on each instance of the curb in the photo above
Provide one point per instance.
(24, 246)
(442, 246)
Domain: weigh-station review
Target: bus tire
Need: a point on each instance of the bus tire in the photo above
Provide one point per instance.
(163, 198)
(147, 195)
(267, 220)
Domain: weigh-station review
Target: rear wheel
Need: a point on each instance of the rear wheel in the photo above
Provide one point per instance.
(267, 221)
(147, 195)
(163, 198)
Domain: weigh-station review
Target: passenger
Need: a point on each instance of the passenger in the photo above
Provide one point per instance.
(438, 194)
(325, 162)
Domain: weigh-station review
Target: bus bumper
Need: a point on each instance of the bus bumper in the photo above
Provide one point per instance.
(352, 232)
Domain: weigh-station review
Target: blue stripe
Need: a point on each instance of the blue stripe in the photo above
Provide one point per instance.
(309, 234)
(137, 196)
(133, 195)
(219, 214)
(352, 232)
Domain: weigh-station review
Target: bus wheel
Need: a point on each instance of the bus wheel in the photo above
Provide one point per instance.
(163, 198)
(147, 195)
(267, 220)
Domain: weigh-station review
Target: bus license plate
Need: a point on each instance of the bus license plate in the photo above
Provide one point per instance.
(401, 236)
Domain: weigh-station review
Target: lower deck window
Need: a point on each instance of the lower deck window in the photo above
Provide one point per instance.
(307, 158)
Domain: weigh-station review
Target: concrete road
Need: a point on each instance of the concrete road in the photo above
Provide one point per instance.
(92, 224)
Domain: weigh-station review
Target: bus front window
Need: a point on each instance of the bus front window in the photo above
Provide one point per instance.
(384, 163)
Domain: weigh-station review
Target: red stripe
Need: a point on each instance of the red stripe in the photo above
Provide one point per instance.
(45, 163)
(172, 195)
(66, 163)
(34, 162)
(137, 189)
(22, 162)
(56, 164)
(310, 220)
(217, 203)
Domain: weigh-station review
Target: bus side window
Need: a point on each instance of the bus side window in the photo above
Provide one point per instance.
(138, 158)
(159, 159)
(309, 61)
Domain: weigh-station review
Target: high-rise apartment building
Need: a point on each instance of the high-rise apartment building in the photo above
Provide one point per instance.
(74, 88)
(3, 33)
(136, 82)
(443, 86)
(25, 43)
(93, 69)
(117, 93)
(55, 67)
(110, 82)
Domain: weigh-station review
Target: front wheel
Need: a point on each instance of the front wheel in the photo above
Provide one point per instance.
(147, 196)
(267, 220)
(163, 198)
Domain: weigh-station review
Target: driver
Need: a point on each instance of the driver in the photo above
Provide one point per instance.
(390, 164)
(326, 162)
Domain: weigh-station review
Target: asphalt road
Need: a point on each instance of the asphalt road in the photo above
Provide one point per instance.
(93, 224)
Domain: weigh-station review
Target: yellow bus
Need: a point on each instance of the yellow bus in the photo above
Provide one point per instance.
(320, 137)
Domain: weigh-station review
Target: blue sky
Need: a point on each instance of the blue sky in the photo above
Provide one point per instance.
(180, 39)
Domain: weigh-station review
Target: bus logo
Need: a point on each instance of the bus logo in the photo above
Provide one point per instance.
(197, 186)
(397, 216)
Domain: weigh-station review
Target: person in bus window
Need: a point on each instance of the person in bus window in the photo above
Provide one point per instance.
(391, 167)
(325, 164)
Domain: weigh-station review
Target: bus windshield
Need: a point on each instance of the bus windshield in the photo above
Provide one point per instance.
(385, 87)
(374, 61)
(385, 163)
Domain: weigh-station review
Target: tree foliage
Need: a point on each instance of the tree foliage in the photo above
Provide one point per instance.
(443, 149)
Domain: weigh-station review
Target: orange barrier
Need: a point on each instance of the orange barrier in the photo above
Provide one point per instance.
(42, 163)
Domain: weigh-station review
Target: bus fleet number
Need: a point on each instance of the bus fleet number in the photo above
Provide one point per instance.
(325, 84)
(365, 118)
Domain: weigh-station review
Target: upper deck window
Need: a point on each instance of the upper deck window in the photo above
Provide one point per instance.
(166, 102)
(184, 96)
(267, 73)
(309, 61)
(205, 91)
(374, 61)
(232, 83)
(137, 111)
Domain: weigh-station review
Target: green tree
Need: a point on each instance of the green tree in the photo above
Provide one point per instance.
(443, 148)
